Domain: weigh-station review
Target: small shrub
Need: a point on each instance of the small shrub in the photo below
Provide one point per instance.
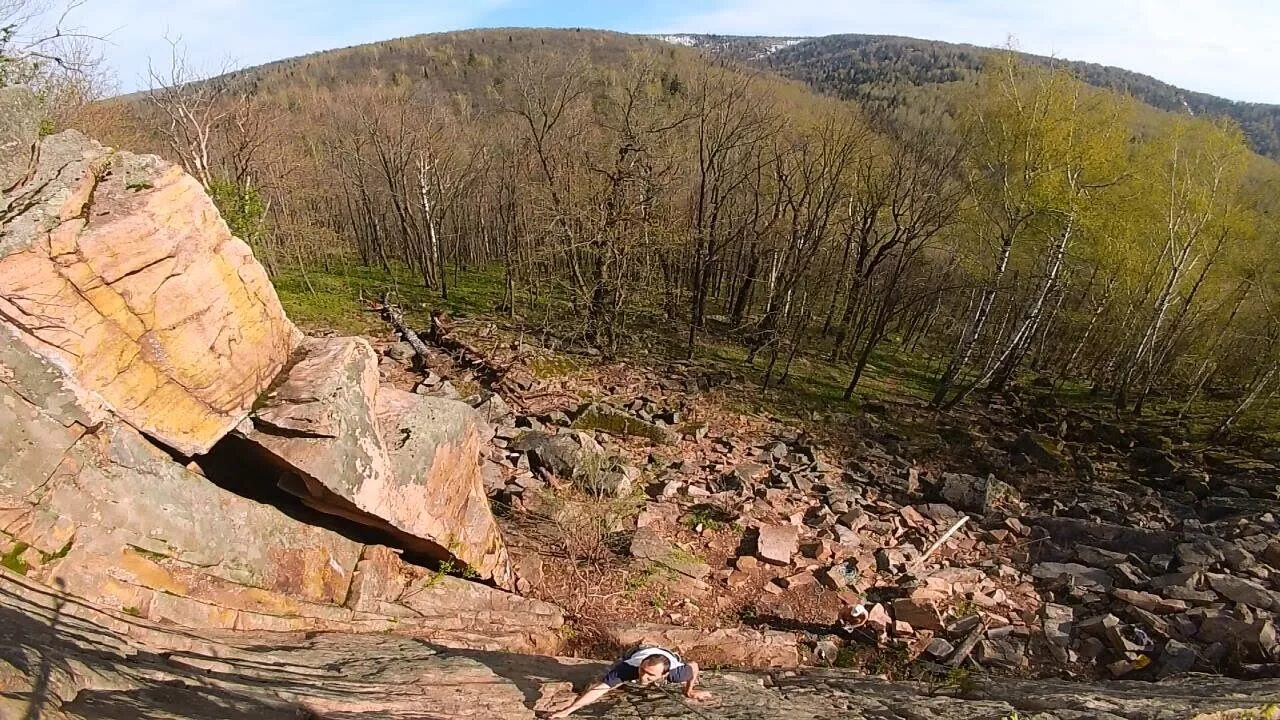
(709, 516)
(957, 680)
(965, 608)
(847, 657)
(890, 662)
(442, 570)
(586, 528)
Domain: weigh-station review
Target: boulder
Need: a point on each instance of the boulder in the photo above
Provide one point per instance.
(401, 463)
(1177, 658)
(570, 456)
(75, 661)
(1056, 623)
(1237, 589)
(1145, 461)
(492, 407)
(980, 495)
(1149, 602)
(1082, 576)
(115, 521)
(920, 614)
(606, 418)
(72, 661)
(778, 543)
(1040, 450)
(118, 268)
(1271, 555)
(1071, 532)
(1007, 652)
(1111, 434)
(647, 544)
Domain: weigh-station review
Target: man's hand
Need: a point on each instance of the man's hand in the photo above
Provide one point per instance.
(698, 695)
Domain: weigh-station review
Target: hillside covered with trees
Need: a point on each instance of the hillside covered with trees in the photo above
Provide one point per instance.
(887, 72)
(882, 69)
(627, 193)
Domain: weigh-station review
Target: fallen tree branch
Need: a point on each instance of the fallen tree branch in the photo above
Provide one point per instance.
(966, 648)
(945, 537)
(440, 334)
(395, 316)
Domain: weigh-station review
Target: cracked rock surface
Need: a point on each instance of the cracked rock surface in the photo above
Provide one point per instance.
(118, 267)
(62, 658)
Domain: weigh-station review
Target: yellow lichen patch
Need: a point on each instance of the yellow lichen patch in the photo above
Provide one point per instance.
(150, 574)
(125, 596)
(310, 574)
(149, 302)
(1266, 712)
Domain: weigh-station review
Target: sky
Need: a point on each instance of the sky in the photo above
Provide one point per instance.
(1223, 47)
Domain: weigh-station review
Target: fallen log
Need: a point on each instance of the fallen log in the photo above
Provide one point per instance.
(395, 317)
(966, 648)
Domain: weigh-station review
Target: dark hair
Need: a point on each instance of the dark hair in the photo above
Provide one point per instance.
(656, 660)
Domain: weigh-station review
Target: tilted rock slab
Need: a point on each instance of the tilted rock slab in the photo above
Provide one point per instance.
(64, 659)
(119, 269)
(395, 461)
(89, 504)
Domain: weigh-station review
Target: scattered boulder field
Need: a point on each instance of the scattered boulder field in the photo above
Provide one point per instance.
(1113, 570)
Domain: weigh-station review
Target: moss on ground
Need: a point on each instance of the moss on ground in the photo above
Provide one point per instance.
(13, 561)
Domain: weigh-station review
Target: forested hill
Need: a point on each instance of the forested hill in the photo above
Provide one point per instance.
(632, 196)
(883, 70)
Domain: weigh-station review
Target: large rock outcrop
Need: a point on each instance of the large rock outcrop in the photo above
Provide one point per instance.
(399, 462)
(118, 268)
(135, 334)
(63, 659)
(88, 503)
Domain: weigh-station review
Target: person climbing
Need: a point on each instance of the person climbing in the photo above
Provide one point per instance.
(645, 666)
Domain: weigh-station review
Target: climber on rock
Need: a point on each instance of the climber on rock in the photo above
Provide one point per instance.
(645, 666)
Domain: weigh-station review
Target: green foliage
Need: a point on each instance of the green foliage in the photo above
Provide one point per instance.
(242, 207)
(847, 657)
(13, 559)
(590, 241)
(892, 662)
(8, 61)
(965, 607)
(315, 295)
(443, 570)
(897, 74)
(710, 517)
(958, 681)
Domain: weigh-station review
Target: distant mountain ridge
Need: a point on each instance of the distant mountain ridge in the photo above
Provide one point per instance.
(876, 69)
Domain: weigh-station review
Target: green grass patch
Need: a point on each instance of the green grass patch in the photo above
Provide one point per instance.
(335, 297)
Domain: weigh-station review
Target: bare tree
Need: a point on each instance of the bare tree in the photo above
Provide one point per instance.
(194, 105)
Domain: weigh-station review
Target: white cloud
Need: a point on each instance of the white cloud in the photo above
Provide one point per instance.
(1225, 47)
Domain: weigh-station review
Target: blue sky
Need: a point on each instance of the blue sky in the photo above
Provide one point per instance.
(1225, 47)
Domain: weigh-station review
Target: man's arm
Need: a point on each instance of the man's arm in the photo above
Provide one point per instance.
(590, 695)
(690, 680)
